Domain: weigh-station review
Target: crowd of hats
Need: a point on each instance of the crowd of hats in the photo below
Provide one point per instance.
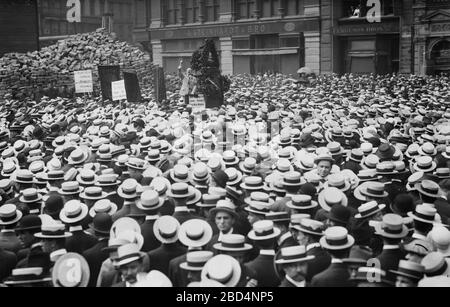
(358, 164)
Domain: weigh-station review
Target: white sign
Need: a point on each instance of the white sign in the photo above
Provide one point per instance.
(118, 90)
(197, 103)
(74, 11)
(83, 81)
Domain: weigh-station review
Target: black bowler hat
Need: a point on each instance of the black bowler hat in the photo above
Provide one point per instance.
(29, 223)
(53, 206)
(102, 223)
(339, 214)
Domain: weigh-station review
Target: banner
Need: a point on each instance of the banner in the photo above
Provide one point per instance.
(118, 90)
(197, 104)
(83, 81)
(107, 75)
(132, 86)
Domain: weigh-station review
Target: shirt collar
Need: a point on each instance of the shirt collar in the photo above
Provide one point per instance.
(387, 246)
(151, 217)
(39, 244)
(7, 230)
(128, 203)
(54, 256)
(182, 209)
(312, 246)
(336, 261)
(267, 252)
(76, 228)
(35, 211)
(298, 284)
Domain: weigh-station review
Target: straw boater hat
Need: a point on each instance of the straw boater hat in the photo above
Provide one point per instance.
(103, 206)
(391, 227)
(180, 173)
(234, 176)
(424, 213)
(181, 191)
(53, 230)
(108, 180)
(73, 212)
(150, 201)
(9, 215)
(424, 164)
(30, 196)
(306, 225)
(70, 188)
(370, 189)
(195, 233)
(252, 183)
(93, 193)
(330, 197)
(409, 270)
(263, 230)
(337, 238)
(127, 254)
(224, 269)
(232, 243)
(224, 206)
(294, 254)
(369, 209)
(428, 188)
(27, 276)
(128, 189)
(301, 202)
(338, 181)
(195, 261)
(166, 229)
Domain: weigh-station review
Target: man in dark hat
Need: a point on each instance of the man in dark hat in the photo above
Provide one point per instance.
(96, 255)
(26, 229)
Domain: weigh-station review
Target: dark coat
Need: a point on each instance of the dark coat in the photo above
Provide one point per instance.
(10, 242)
(150, 241)
(8, 262)
(115, 198)
(184, 216)
(265, 271)
(79, 242)
(389, 260)
(336, 276)
(160, 258)
(443, 208)
(318, 264)
(95, 256)
(177, 275)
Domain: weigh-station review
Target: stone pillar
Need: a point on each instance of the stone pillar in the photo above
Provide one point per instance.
(226, 13)
(157, 20)
(312, 51)
(201, 11)
(257, 11)
(157, 52)
(181, 12)
(282, 9)
(226, 47)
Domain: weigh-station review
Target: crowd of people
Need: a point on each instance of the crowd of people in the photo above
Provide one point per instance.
(340, 183)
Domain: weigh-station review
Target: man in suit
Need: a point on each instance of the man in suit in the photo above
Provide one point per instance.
(308, 233)
(224, 215)
(127, 192)
(8, 262)
(264, 235)
(294, 262)
(26, 229)
(73, 215)
(338, 243)
(97, 254)
(129, 264)
(392, 230)
(193, 242)
(166, 231)
(9, 217)
(150, 204)
(180, 193)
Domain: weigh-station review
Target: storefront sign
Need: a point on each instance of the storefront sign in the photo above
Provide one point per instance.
(368, 28)
(187, 32)
(83, 81)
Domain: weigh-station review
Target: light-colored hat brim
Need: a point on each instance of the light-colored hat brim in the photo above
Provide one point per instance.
(275, 234)
(325, 245)
(234, 280)
(379, 230)
(207, 235)
(412, 215)
(84, 196)
(80, 190)
(325, 206)
(93, 213)
(431, 168)
(83, 214)
(42, 236)
(313, 205)
(245, 248)
(380, 208)
(19, 215)
(197, 197)
(298, 260)
(23, 200)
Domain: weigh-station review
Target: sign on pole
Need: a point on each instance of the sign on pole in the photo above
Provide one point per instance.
(197, 103)
(118, 90)
(83, 82)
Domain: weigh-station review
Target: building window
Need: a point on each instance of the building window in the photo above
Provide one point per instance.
(290, 41)
(170, 9)
(243, 43)
(192, 11)
(270, 41)
(212, 8)
(270, 8)
(245, 8)
(294, 7)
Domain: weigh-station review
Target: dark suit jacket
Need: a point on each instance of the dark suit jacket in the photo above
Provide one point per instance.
(336, 276)
(287, 284)
(150, 241)
(161, 257)
(79, 242)
(177, 275)
(9, 241)
(389, 260)
(318, 264)
(95, 257)
(8, 261)
(265, 271)
(115, 198)
(121, 213)
(443, 208)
